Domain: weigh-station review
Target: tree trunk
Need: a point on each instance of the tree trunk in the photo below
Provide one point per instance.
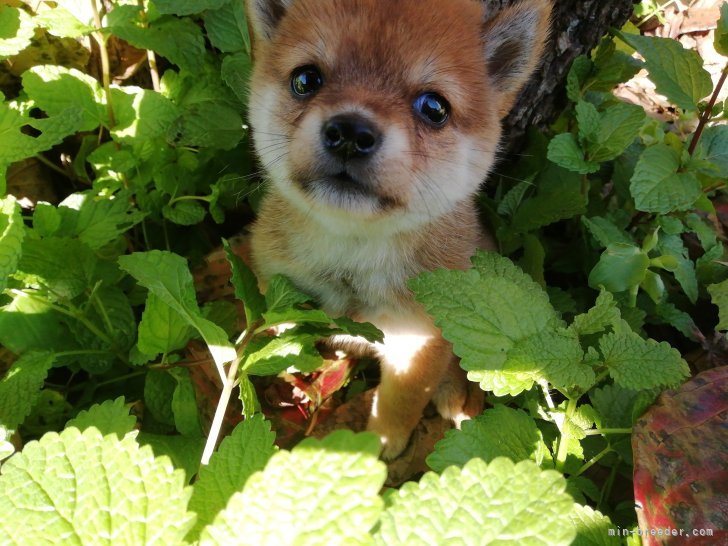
(578, 25)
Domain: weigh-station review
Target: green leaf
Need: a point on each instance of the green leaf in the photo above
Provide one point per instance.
(282, 294)
(564, 150)
(109, 417)
(17, 29)
(677, 72)
(245, 451)
(592, 527)
(620, 268)
(21, 386)
(637, 363)
(184, 451)
(185, 213)
(28, 324)
(187, 7)
(159, 387)
(719, 296)
(672, 246)
(184, 404)
(12, 233)
(92, 490)
(359, 329)
(236, 70)
(605, 313)
(247, 395)
(498, 432)
(657, 186)
(619, 125)
(490, 310)
(721, 33)
(162, 329)
(614, 405)
(179, 40)
(167, 276)
(141, 115)
(245, 284)
(339, 477)
(55, 89)
(274, 355)
(587, 118)
(227, 28)
(713, 147)
(496, 503)
(605, 232)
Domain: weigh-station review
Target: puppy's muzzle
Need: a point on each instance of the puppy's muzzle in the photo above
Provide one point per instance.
(348, 136)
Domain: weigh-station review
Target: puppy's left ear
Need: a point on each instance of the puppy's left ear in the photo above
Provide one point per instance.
(264, 16)
(514, 39)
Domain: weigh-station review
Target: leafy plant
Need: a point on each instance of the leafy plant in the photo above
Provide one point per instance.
(611, 218)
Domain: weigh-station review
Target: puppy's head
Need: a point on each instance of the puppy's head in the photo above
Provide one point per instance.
(386, 109)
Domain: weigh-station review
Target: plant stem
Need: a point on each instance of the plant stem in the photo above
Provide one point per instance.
(597, 431)
(48, 163)
(151, 57)
(594, 460)
(227, 389)
(105, 65)
(565, 436)
(706, 114)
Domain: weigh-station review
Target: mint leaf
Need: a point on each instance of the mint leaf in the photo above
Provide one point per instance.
(159, 387)
(592, 527)
(162, 329)
(719, 296)
(498, 432)
(12, 232)
(184, 404)
(565, 151)
(339, 477)
(619, 126)
(246, 451)
(246, 285)
(657, 186)
(141, 115)
(637, 363)
(713, 147)
(227, 27)
(17, 29)
(721, 33)
(98, 490)
(282, 294)
(167, 276)
(185, 213)
(109, 417)
(62, 23)
(185, 452)
(605, 313)
(28, 324)
(587, 118)
(672, 245)
(614, 405)
(55, 89)
(235, 72)
(274, 355)
(359, 329)
(187, 7)
(496, 503)
(620, 267)
(605, 232)
(677, 72)
(20, 387)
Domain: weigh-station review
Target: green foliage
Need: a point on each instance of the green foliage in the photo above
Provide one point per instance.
(610, 218)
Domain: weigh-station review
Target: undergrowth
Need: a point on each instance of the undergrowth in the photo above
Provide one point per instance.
(611, 218)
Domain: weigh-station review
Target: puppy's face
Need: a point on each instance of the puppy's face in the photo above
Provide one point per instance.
(383, 109)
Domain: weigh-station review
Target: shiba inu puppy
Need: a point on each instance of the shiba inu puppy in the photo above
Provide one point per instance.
(376, 121)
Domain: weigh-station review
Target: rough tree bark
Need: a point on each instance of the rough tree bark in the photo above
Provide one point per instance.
(578, 25)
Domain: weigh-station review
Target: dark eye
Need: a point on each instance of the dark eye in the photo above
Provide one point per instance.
(306, 80)
(432, 108)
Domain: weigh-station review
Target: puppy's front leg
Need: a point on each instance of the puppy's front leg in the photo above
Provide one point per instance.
(412, 368)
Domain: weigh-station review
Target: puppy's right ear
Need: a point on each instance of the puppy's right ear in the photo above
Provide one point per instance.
(264, 16)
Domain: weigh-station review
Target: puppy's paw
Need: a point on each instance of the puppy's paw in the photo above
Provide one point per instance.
(394, 440)
(460, 402)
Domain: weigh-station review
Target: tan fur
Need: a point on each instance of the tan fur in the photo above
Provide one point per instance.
(355, 252)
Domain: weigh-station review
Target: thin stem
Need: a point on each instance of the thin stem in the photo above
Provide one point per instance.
(547, 395)
(48, 163)
(594, 460)
(565, 436)
(706, 114)
(151, 57)
(598, 431)
(105, 65)
(227, 389)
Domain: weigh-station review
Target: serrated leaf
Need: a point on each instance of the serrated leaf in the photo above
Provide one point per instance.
(235, 72)
(55, 89)
(565, 151)
(587, 118)
(713, 147)
(339, 477)
(167, 276)
(480, 504)
(512, 200)
(28, 324)
(637, 363)
(677, 72)
(109, 417)
(592, 527)
(12, 233)
(246, 451)
(498, 432)
(162, 329)
(98, 490)
(185, 213)
(613, 404)
(719, 296)
(274, 355)
(179, 40)
(227, 28)
(62, 23)
(247, 395)
(246, 285)
(141, 115)
(281, 294)
(721, 33)
(619, 125)
(16, 30)
(159, 387)
(684, 272)
(207, 124)
(21, 385)
(187, 7)
(605, 313)
(184, 404)
(486, 314)
(360, 329)
(657, 186)
(605, 232)
(184, 451)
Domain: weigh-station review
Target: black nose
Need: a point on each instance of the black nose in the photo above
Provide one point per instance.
(350, 135)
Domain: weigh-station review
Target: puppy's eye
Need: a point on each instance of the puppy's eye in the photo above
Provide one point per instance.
(432, 108)
(306, 80)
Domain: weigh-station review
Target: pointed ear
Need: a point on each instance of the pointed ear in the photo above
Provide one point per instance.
(264, 16)
(514, 40)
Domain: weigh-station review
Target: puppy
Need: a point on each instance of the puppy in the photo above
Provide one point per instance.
(376, 121)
